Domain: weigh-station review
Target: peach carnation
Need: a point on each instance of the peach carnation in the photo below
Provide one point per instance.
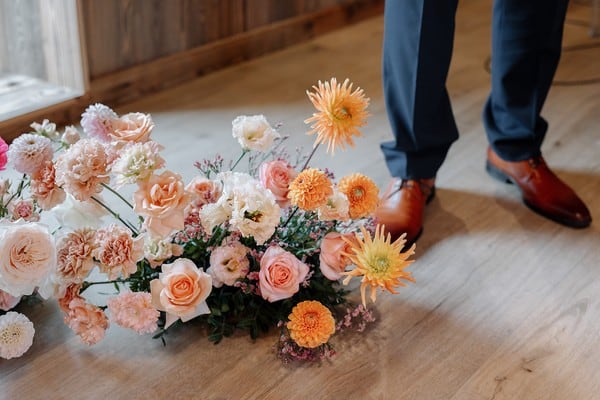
(362, 194)
(44, 189)
(134, 310)
(310, 189)
(117, 251)
(29, 152)
(87, 320)
(310, 324)
(75, 260)
(23, 209)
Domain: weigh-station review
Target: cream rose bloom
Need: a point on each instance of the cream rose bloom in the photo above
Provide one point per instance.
(181, 291)
(162, 200)
(254, 132)
(332, 260)
(132, 127)
(281, 274)
(28, 257)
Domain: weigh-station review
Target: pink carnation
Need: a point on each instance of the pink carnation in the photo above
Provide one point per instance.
(118, 252)
(82, 169)
(134, 310)
(44, 189)
(3, 156)
(29, 153)
(87, 320)
(23, 209)
(97, 121)
(74, 253)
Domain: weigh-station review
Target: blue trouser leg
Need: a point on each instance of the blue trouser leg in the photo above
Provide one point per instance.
(526, 46)
(417, 49)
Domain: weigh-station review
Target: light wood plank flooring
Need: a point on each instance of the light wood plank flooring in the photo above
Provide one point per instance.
(506, 304)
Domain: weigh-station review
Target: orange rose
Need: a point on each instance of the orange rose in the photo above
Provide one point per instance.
(332, 260)
(181, 291)
(162, 200)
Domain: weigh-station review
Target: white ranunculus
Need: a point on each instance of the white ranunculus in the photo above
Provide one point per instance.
(254, 132)
(16, 335)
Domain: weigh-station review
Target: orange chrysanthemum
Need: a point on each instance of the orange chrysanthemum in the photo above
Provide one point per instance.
(340, 112)
(362, 194)
(310, 189)
(379, 262)
(310, 324)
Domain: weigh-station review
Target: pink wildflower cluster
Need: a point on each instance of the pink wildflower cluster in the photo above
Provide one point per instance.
(288, 351)
(356, 319)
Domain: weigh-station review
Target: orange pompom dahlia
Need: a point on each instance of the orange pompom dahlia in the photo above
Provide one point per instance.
(310, 189)
(362, 194)
(310, 324)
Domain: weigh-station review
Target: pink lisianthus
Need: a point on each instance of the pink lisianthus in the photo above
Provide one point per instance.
(44, 189)
(181, 291)
(3, 155)
(82, 169)
(8, 301)
(97, 121)
(162, 200)
(277, 176)
(29, 153)
(281, 274)
(117, 251)
(87, 320)
(134, 310)
(332, 259)
(228, 264)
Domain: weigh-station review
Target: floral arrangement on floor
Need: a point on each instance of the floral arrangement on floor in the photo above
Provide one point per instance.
(273, 246)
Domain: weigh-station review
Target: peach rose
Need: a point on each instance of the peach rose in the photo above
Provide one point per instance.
(281, 274)
(277, 176)
(181, 291)
(162, 199)
(332, 260)
(132, 127)
(27, 257)
(204, 191)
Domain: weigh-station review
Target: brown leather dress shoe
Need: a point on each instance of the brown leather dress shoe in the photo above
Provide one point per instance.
(402, 206)
(541, 189)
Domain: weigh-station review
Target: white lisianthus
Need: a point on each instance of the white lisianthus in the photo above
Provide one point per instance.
(137, 162)
(254, 132)
(16, 335)
(336, 208)
(46, 128)
(157, 250)
(75, 214)
(228, 263)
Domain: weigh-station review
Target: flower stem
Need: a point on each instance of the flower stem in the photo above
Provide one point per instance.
(117, 216)
(287, 221)
(86, 285)
(244, 152)
(118, 195)
(310, 156)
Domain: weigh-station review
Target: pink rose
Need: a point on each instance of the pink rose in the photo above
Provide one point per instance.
(28, 257)
(132, 127)
(181, 291)
(162, 199)
(8, 301)
(332, 260)
(280, 274)
(3, 156)
(277, 176)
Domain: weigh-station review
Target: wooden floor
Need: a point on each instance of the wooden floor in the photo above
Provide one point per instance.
(506, 304)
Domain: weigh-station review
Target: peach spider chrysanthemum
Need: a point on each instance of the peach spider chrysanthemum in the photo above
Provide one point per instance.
(379, 261)
(310, 189)
(362, 194)
(310, 324)
(340, 111)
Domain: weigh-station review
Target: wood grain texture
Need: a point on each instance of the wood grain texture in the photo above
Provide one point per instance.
(506, 305)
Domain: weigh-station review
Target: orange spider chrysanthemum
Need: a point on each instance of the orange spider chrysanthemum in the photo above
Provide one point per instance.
(340, 111)
(379, 261)
(310, 189)
(362, 194)
(310, 324)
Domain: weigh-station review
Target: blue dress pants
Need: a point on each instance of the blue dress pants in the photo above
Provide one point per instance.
(417, 50)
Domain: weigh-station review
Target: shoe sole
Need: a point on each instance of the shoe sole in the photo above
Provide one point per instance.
(501, 176)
